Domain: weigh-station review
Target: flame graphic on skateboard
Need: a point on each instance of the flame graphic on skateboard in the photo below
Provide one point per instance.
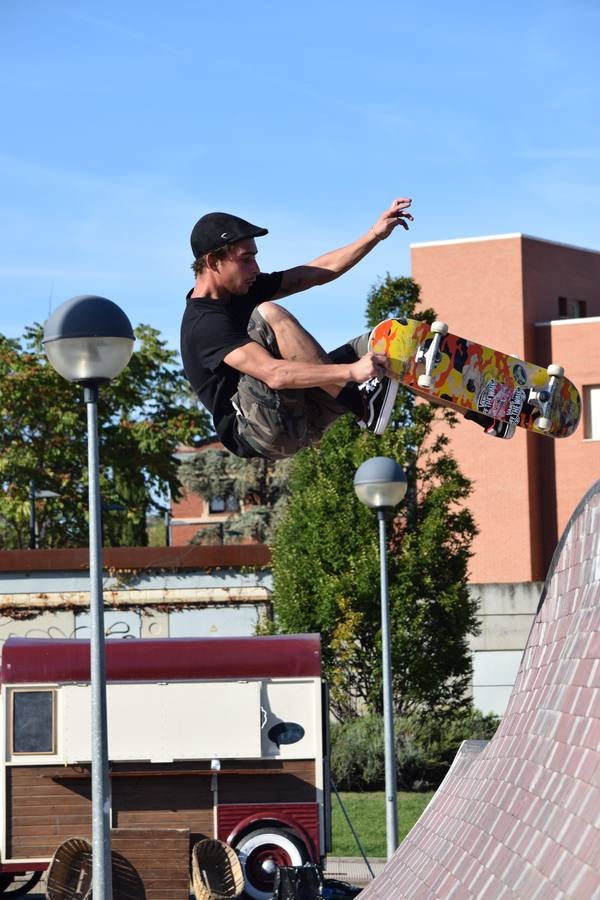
(469, 376)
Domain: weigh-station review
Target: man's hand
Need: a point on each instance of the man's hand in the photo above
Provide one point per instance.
(392, 217)
(371, 365)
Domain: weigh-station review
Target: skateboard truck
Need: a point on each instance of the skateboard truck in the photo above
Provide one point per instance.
(429, 356)
(543, 399)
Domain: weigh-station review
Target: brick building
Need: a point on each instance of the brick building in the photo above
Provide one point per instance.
(541, 301)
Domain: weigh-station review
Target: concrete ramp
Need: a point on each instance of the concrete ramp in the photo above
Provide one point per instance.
(519, 816)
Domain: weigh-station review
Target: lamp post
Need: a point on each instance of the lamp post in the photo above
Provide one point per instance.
(89, 340)
(380, 483)
(33, 496)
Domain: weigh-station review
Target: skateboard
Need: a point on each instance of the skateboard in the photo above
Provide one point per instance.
(470, 377)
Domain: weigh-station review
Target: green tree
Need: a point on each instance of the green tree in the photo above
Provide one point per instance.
(326, 563)
(144, 414)
(257, 487)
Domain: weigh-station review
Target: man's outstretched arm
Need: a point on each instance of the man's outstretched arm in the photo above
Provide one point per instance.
(333, 264)
(285, 374)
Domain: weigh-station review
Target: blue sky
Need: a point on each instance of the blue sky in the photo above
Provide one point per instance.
(122, 123)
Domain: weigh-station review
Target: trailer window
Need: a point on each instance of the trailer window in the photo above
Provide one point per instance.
(33, 722)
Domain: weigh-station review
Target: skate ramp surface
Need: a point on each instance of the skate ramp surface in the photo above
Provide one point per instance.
(519, 816)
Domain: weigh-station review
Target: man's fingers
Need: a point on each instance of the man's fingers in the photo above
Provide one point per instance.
(399, 218)
(381, 362)
(398, 212)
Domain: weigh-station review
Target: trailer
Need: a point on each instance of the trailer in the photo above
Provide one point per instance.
(226, 737)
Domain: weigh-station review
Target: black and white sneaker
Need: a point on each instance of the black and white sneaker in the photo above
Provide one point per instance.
(493, 427)
(378, 398)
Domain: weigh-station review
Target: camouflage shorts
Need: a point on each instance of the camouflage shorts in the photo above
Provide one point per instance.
(278, 424)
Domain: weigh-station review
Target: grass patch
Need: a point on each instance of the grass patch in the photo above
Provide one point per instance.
(367, 814)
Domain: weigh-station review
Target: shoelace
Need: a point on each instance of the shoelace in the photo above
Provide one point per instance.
(370, 385)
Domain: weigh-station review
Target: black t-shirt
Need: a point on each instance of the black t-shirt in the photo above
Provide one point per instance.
(211, 329)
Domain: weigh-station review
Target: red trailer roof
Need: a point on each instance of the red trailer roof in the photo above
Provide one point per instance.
(26, 661)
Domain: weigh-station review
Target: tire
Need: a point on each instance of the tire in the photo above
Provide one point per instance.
(262, 851)
(556, 371)
(426, 381)
(439, 328)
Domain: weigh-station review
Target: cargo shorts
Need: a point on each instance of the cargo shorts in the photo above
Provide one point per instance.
(277, 424)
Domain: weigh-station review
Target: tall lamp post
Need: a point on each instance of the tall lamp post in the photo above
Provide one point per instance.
(89, 340)
(380, 483)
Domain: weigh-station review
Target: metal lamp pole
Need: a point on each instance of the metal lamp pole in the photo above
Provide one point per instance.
(89, 340)
(391, 802)
(380, 483)
(101, 844)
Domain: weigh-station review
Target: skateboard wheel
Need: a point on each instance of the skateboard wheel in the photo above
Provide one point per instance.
(556, 371)
(426, 381)
(439, 328)
(543, 424)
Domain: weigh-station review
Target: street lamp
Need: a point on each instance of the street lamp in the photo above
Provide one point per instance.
(89, 340)
(380, 483)
(33, 496)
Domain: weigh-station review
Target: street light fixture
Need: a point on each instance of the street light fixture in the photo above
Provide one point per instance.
(380, 483)
(89, 340)
(33, 496)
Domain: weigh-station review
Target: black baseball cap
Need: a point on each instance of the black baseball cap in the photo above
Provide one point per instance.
(217, 229)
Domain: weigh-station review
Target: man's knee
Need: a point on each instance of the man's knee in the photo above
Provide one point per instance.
(275, 314)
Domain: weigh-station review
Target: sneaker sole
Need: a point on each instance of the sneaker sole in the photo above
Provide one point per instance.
(386, 410)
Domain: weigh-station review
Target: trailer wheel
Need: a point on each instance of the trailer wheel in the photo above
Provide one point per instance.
(262, 851)
(15, 886)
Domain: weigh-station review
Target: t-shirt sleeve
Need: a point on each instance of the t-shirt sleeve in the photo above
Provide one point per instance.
(264, 288)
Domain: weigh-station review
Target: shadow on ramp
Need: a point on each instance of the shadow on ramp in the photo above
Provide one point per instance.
(519, 816)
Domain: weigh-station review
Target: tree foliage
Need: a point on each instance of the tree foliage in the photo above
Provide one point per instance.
(259, 485)
(143, 416)
(326, 561)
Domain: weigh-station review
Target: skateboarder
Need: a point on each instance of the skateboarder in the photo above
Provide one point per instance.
(269, 386)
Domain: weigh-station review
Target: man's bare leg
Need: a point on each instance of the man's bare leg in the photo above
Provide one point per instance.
(372, 403)
(294, 341)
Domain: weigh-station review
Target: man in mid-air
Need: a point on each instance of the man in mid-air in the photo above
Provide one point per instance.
(268, 384)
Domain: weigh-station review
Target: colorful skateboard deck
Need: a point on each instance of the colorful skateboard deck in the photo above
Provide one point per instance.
(470, 377)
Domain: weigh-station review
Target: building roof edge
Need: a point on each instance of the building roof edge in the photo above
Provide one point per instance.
(501, 237)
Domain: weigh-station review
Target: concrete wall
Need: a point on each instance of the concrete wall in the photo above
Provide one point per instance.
(506, 612)
(195, 592)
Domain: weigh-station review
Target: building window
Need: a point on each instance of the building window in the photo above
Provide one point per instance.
(228, 504)
(571, 309)
(33, 722)
(591, 412)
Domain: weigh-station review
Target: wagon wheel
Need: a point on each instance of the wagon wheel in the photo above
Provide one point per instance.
(10, 888)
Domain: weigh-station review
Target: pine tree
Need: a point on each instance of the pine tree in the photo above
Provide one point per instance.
(259, 486)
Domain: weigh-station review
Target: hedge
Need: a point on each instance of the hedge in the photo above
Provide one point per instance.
(425, 748)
